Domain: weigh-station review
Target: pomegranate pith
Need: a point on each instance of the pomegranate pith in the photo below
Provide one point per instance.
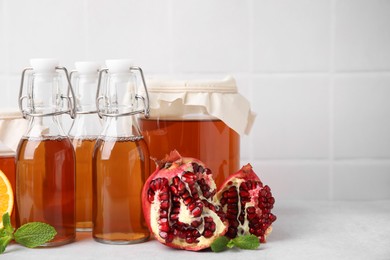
(247, 204)
(180, 205)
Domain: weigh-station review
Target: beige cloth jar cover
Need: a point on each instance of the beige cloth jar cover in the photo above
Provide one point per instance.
(217, 98)
(12, 127)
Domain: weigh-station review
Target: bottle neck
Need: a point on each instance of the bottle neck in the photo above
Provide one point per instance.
(85, 92)
(86, 126)
(44, 93)
(121, 127)
(119, 94)
(45, 127)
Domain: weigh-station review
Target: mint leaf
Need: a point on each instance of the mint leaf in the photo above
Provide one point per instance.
(246, 242)
(230, 244)
(7, 223)
(4, 241)
(219, 244)
(34, 234)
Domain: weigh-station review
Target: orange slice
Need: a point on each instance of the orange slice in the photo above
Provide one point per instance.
(6, 197)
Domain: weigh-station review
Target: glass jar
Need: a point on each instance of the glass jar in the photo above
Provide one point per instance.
(12, 127)
(83, 133)
(7, 166)
(45, 160)
(120, 159)
(200, 119)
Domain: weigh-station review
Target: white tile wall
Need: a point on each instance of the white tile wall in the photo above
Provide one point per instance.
(362, 37)
(362, 116)
(291, 35)
(139, 30)
(293, 117)
(317, 73)
(211, 36)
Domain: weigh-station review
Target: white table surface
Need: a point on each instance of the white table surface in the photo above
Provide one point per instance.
(304, 230)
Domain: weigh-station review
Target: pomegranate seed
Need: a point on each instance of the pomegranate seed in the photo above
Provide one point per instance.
(150, 195)
(250, 210)
(196, 223)
(164, 227)
(169, 238)
(207, 233)
(187, 201)
(163, 213)
(207, 171)
(190, 240)
(163, 235)
(174, 190)
(212, 227)
(208, 219)
(244, 194)
(181, 187)
(196, 212)
(164, 204)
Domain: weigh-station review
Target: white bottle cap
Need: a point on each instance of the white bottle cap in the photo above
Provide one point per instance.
(87, 67)
(44, 65)
(118, 66)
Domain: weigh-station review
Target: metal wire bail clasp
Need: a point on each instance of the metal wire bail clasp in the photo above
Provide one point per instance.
(30, 109)
(101, 98)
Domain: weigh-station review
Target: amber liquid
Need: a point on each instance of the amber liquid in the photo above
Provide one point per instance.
(211, 141)
(45, 185)
(84, 150)
(7, 165)
(120, 168)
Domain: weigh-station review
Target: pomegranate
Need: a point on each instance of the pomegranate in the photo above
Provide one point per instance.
(180, 205)
(247, 204)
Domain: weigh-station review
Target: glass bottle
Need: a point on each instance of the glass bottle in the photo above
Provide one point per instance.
(45, 160)
(120, 159)
(83, 133)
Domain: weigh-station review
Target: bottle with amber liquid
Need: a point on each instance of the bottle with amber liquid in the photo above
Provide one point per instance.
(84, 131)
(120, 158)
(45, 160)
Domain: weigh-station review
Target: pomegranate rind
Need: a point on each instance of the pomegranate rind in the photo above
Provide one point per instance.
(175, 166)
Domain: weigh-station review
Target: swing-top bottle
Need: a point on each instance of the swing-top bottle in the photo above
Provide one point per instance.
(121, 157)
(45, 160)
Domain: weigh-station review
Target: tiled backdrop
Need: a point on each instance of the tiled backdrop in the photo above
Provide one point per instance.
(317, 73)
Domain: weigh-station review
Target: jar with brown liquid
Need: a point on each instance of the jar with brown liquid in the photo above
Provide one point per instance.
(200, 119)
(84, 132)
(120, 158)
(45, 160)
(7, 166)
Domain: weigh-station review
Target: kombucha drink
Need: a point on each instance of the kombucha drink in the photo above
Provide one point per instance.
(120, 169)
(7, 165)
(84, 149)
(211, 141)
(45, 187)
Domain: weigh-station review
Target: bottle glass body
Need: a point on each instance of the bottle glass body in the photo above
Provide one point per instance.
(45, 180)
(121, 167)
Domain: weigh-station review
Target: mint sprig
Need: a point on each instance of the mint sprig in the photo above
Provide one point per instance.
(250, 242)
(30, 235)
